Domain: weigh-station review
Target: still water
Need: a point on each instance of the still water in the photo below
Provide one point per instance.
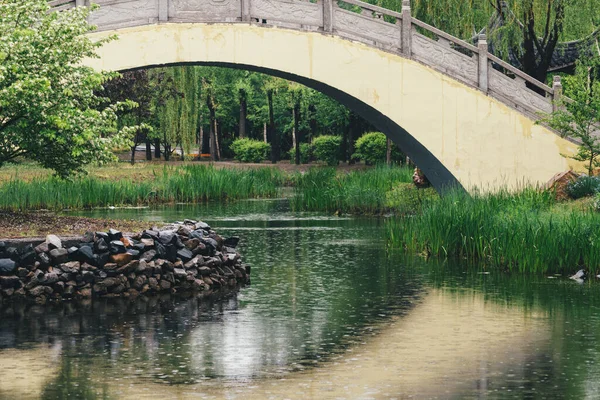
(330, 314)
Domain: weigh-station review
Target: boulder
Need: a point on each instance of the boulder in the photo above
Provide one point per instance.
(7, 266)
(86, 254)
(185, 255)
(117, 247)
(231, 241)
(10, 282)
(100, 246)
(148, 255)
(59, 255)
(54, 242)
(42, 248)
(114, 234)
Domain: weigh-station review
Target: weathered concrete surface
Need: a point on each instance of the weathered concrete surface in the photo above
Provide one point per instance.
(452, 130)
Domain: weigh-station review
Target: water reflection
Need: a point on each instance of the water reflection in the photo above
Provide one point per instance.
(329, 314)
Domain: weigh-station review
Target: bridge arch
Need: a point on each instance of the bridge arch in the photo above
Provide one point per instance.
(456, 133)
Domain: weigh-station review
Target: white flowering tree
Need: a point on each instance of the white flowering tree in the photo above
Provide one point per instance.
(49, 109)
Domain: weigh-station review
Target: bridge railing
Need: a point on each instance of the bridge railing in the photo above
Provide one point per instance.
(396, 32)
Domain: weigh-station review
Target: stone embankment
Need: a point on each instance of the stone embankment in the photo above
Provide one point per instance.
(182, 257)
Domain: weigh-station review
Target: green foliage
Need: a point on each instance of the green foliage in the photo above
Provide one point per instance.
(584, 186)
(250, 151)
(518, 232)
(191, 183)
(406, 198)
(49, 111)
(578, 115)
(360, 192)
(372, 149)
(327, 148)
(306, 153)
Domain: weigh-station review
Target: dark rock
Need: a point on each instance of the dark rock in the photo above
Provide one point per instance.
(42, 248)
(59, 287)
(140, 281)
(134, 253)
(102, 274)
(141, 268)
(197, 234)
(102, 258)
(23, 273)
(190, 221)
(191, 244)
(117, 247)
(54, 242)
(59, 256)
(114, 234)
(50, 278)
(128, 268)
(164, 285)
(100, 246)
(88, 267)
(12, 253)
(7, 266)
(110, 266)
(119, 289)
(204, 271)
(171, 253)
(150, 234)
(231, 242)
(70, 267)
(10, 282)
(184, 231)
(72, 250)
(185, 255)
(166, 237)
(86, 254)
(148, 255)
(2, 248)
(37, 291)
(248, 268)
(102, 235)
(161, 251)
(139, 247)
(88, 276)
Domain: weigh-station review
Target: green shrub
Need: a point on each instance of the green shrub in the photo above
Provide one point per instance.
(584, 186)
(305, 153)
(250, 151)
(327, 148)
(372, 149)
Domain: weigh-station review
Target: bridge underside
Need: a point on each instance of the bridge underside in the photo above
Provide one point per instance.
(456, 134)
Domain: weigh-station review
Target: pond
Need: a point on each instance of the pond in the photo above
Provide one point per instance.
(330, 313)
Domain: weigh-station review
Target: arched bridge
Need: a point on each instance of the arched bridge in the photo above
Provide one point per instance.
(463, 115)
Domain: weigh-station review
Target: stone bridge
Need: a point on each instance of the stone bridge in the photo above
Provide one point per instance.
(463, 115)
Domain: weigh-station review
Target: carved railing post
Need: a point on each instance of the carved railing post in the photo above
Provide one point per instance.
(327, 15)
(163, 10)
(557, 87)
(245, 10)
(406, 29)
(482, 45)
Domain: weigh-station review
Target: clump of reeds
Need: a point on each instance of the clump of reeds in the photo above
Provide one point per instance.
(190, 183)
(359, 192)
(522, 232)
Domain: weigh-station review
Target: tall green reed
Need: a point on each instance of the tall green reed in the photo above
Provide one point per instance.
(190, 183)
(516, 232)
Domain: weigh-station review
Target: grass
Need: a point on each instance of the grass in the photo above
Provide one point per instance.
(358, 192)
(525, 232)
(188, 183)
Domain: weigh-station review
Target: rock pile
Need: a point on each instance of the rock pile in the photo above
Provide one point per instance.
(186, 256)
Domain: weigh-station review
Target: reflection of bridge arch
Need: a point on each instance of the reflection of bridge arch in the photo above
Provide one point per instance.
(440, 100)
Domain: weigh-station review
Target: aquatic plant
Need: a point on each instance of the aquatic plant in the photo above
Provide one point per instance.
(189, 183)
(525, 232)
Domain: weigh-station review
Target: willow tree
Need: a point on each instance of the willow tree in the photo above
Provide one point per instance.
(178, 115)
(525, 31)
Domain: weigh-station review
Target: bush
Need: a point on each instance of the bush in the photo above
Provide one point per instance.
(250, 151)
(372, 148)
(305, 153)
(584, 186)
(406, 198)
(327, 148)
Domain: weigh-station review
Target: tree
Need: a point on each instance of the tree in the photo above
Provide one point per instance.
(578, 115)
(49, 109)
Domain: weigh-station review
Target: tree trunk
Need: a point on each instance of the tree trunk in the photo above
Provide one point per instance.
(148, 149)
(133, 153)
(201, 142)
(217, 127)
(313, 121)
(388, 153)
(265, 132)
(296, 131)
(157, 148)
(352, 132)
(213, 145)
(243, 113)
(271, 129)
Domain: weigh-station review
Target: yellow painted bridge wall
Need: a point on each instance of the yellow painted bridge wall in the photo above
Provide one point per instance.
(482, 142)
